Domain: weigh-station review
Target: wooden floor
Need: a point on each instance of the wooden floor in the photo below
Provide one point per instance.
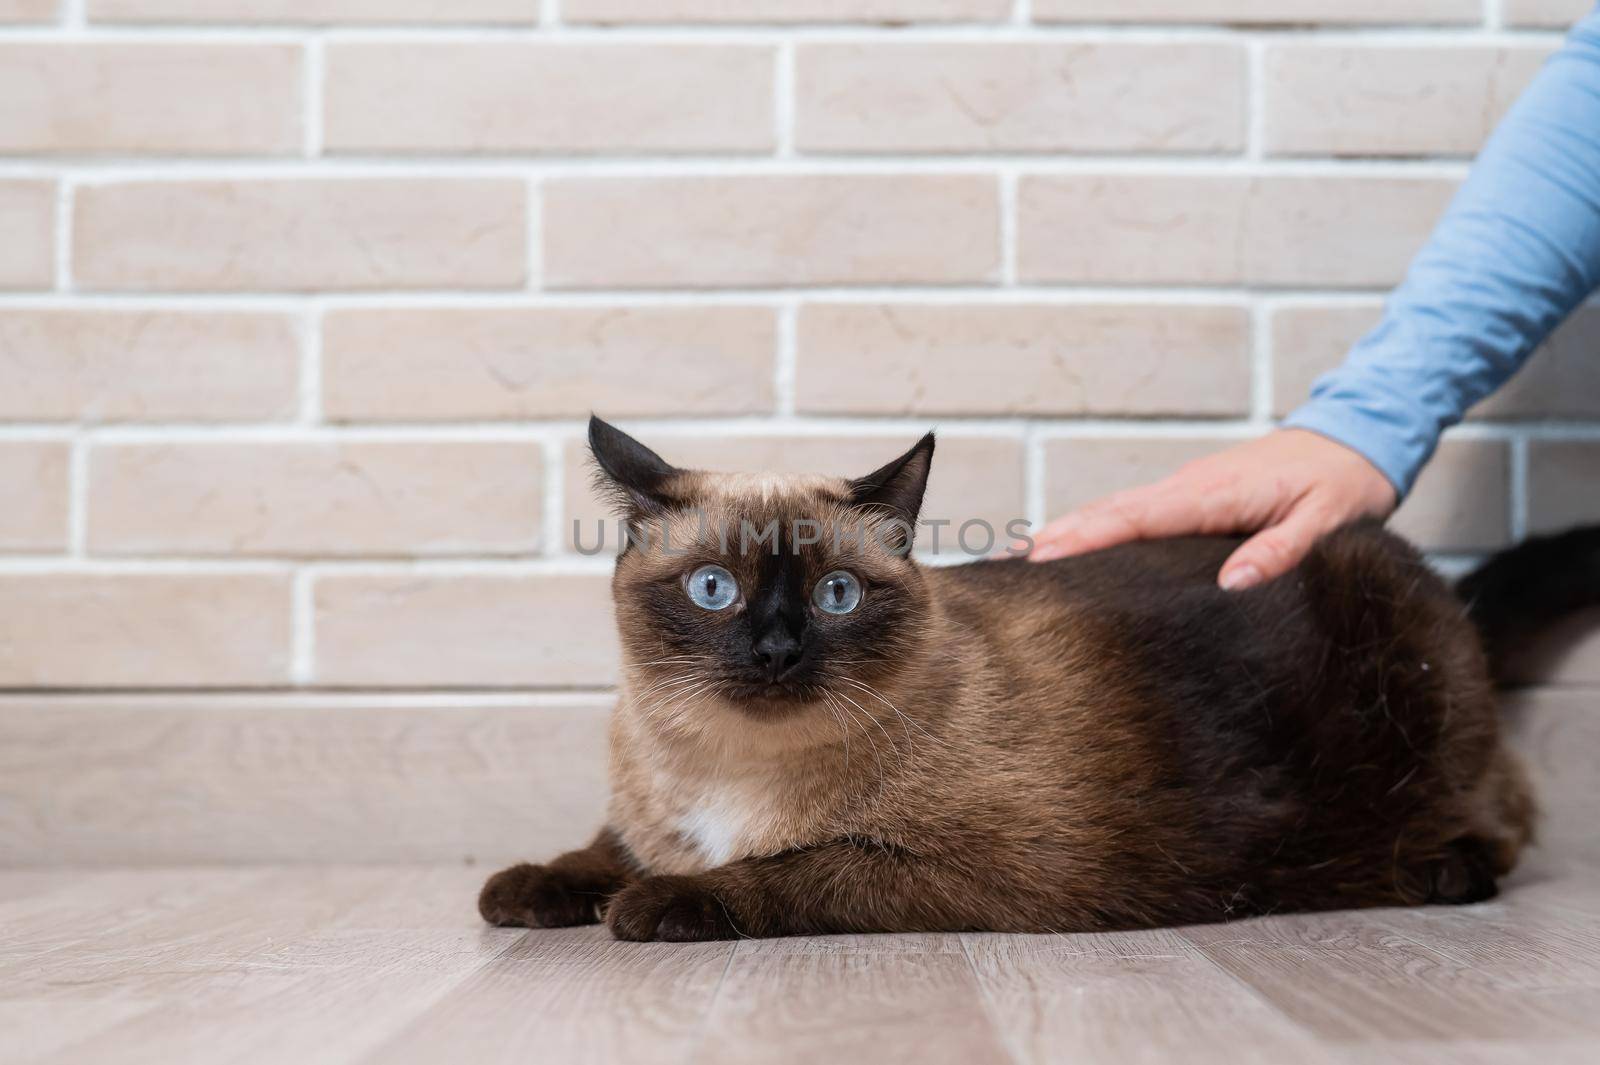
(170, 945)
(390, 965)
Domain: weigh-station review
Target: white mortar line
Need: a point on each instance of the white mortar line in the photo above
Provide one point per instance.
(91, 170)
(549, 14)
(783, 100)
(349, 697)
(303, 629)
(1167, 429)
(1255, 100)
(552, 536)
(138, 301)
(753, 426)
(1494, 15)
(786, 358)
(53, 432)
(571, 565)
(343, 699)
(310, 390)
(568, 34)
(1022, 13)
(83, 32)
(1033, 475)
(78, 498)
(1008, 228)
(1277, 301)
(1453, 565)
(1064, 295)
(565, 565)
(973, 32)
(1261, 370)
(65, 194)
(115, 565)
(72, 16)
(534, 234)
(1519, 487)
(311, 96)
(1546, 431)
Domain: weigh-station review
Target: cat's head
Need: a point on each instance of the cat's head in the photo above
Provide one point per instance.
(767, 594)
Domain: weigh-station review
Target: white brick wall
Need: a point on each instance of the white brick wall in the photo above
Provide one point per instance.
(303, 302)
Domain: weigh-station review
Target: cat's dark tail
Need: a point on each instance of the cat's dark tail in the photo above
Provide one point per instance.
(1518, 593)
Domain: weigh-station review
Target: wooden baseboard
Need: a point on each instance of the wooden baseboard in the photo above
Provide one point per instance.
(120, 780)
(1558, 732)
(170, 779)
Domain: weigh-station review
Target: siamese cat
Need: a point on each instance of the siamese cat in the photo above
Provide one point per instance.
(817, 734)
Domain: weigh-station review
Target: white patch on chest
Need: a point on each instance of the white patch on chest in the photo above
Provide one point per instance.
(726, 825)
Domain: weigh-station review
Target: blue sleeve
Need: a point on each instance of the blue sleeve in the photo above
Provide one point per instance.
(1517, 251)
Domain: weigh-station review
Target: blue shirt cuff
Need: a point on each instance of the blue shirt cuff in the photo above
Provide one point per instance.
(1380, 433)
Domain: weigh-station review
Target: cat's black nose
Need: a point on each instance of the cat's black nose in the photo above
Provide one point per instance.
(777, 653)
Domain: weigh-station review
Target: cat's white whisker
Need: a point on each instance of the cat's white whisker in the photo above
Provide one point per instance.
(907, 718)
(872, 718)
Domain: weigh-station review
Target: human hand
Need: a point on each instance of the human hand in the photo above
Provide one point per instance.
(1289, 488)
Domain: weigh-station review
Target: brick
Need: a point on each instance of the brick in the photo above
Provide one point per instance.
(324, 498)
(1080, 470)
(1131, 359)
(118, 630)
(34, 473)
(1460, 504)
(1272, 12)
(542, 97)
(197, 99)
(751, 11)
(28, 10)
(973, 476)
(301, 235)
(1020, 97)
(1310, 340)
(1558, 382)
(28, 220)
(1337, 100)
(1462, 499)
(108, 366)
(1224, 229)
(686, 232)
(394, 364)
(1554, 13)
(1563, 484)
(418, 630)
(329, 12)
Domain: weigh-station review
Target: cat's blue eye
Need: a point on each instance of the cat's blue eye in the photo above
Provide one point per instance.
(712, 587)
(837, 593)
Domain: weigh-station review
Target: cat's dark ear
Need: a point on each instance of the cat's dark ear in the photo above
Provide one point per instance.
(636, 476)
(897, 488)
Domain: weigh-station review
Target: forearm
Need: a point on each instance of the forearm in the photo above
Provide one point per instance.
(1517, 251)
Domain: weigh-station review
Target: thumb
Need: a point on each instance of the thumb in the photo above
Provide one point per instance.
(1275, 550)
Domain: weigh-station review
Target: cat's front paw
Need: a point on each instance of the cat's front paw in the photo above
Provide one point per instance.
(532, 896)
(674, 909)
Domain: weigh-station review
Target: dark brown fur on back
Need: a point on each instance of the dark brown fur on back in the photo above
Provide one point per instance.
(1101, 742)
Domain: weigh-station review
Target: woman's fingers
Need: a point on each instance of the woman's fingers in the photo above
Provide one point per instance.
(1293, 485)
(1140, 514)
(1276, 550)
